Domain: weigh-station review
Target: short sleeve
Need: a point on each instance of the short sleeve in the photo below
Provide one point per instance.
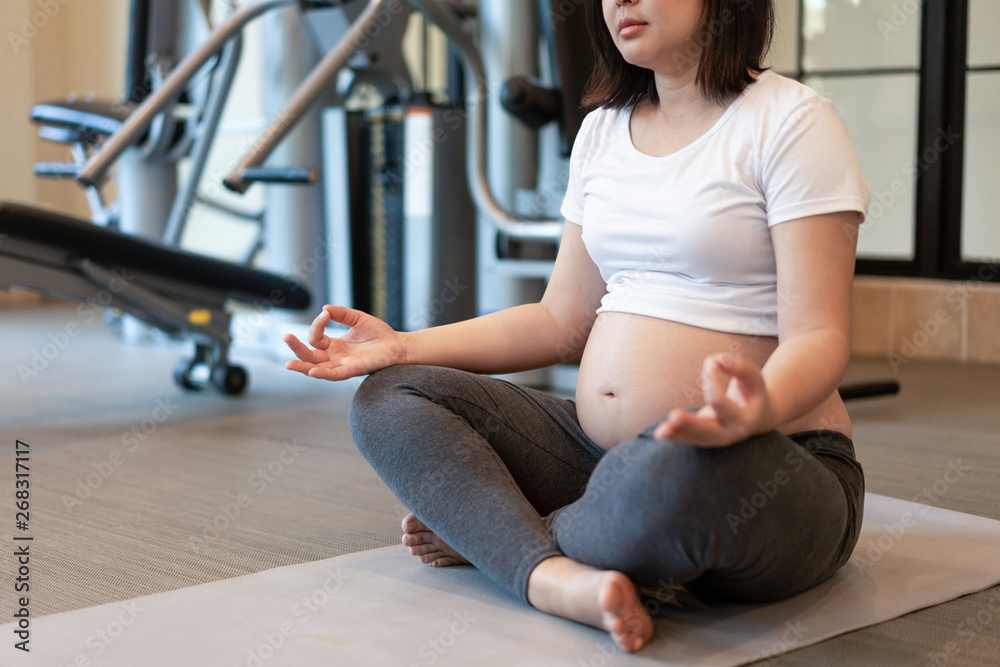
(810, 167)
(572, 206)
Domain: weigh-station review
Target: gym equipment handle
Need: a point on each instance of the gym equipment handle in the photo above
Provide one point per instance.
(56, 169)
(280, 175)
(530, 102)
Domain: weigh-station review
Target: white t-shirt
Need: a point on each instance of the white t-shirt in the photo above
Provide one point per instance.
(686, 237)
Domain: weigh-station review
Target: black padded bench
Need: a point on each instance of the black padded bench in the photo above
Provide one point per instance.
(180, 293)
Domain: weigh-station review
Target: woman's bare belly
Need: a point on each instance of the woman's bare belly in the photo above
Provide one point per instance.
(635, 369)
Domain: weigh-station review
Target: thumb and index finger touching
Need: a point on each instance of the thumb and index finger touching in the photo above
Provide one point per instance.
(349, 317)
(724, 366)
(317, 350)
(317, 330)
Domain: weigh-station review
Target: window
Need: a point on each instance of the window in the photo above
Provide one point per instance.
(980, 238)
(917, 83)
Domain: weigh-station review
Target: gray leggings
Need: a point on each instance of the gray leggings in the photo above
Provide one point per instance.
(506, 476)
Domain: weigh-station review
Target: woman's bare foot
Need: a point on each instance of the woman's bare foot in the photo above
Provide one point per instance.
(602, 598)
(425, 544)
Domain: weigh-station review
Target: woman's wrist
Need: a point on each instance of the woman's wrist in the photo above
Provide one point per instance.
(771, 417)
(406, 348)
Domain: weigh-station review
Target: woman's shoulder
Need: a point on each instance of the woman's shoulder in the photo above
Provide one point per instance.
(601, 127)
(603, 120)
(781, 90)
(772, 99)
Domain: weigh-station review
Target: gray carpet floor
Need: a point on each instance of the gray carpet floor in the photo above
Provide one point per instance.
(138, 487)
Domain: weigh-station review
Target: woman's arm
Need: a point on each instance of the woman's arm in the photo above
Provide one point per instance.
(815, 270)
(815, 260)
(523, 337)
(515, 339)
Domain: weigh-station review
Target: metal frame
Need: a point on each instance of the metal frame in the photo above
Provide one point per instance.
(306, 94)
(508, 222)
(204, 136)
(955, 16)
(438, 12)
(153, 106)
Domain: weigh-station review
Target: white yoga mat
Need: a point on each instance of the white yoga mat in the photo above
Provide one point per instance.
(383, 607)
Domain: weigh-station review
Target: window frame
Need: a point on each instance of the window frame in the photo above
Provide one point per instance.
(942, 71)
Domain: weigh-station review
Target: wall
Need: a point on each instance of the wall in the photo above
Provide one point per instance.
(51, 48)
(17, 80)
(908, 318)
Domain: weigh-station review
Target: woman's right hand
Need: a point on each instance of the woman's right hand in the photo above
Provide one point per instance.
(370, 344)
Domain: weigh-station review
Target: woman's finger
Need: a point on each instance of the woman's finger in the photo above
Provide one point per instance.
(667, 428)
(302, 351)
(679, 421)
(690, 428)
(748, 373)
(714, 378)
(349, 317)
(299, 366)
(331, 373)
(716, 383)
(317, 335)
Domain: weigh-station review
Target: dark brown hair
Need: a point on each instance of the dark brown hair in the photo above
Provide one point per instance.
(734, 38)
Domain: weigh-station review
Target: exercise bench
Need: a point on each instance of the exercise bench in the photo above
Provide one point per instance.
(178, 292)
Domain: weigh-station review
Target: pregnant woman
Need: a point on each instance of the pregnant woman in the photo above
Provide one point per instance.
(704, 280)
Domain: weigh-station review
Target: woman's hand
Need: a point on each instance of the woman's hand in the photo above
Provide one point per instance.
(736, 406)
(369, 345)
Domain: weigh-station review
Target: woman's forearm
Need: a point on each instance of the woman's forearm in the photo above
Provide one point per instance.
(803, 371)
(514, 339)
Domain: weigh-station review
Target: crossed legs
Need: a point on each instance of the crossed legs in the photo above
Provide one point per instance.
(503, 477)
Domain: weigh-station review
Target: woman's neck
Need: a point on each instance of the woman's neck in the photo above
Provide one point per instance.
(681, 98)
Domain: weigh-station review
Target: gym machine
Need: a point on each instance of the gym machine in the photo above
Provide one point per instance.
(179, 292)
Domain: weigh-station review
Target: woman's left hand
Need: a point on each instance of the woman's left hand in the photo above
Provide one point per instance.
(736, 406)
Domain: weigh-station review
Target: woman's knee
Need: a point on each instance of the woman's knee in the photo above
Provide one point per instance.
(378, 398)
(653, 482)
(378, 383)
(645, 463)
(380, 389)
(396, 397)
(679, 483)
(371, 396)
